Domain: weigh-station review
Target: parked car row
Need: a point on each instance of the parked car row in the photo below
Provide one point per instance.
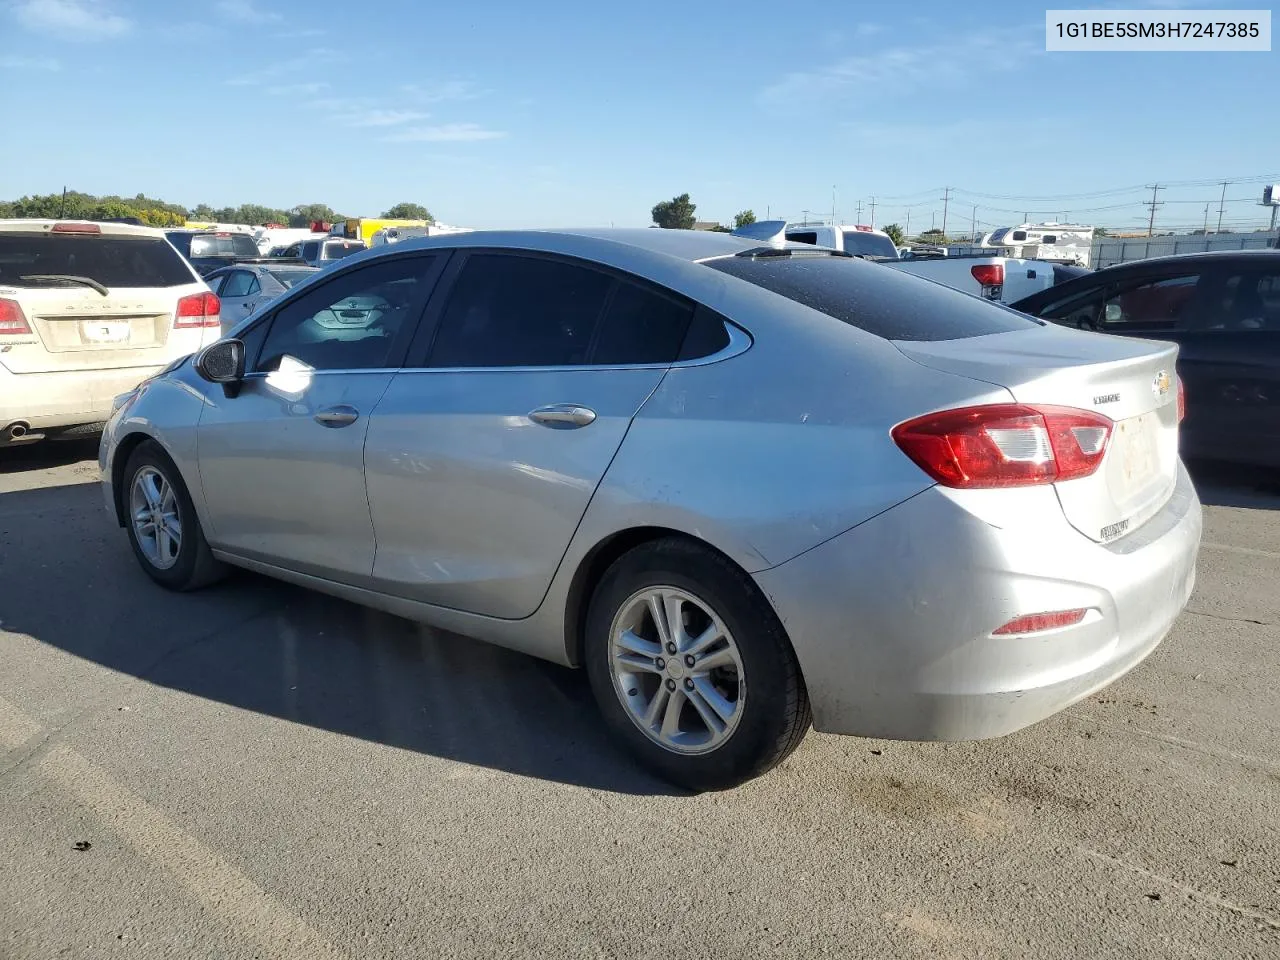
(746, 486)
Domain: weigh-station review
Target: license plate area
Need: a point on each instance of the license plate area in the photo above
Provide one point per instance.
(105, 331)
(1135, 453)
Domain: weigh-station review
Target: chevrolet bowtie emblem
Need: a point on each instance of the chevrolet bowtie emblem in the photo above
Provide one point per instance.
(1160, 385)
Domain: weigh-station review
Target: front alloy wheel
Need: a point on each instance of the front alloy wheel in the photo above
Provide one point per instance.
(153, 510)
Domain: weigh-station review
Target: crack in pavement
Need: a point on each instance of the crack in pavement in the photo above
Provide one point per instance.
(1218, 616)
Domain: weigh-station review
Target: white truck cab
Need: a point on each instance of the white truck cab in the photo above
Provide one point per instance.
(857, 239)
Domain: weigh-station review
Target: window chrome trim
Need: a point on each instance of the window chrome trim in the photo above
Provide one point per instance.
(739, 342)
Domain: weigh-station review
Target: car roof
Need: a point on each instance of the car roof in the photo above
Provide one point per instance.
(40, 225)
(1176, 258)
(690, 245)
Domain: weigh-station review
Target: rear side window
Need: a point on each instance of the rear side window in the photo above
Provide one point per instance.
(641, 326)
(512, 311)
(860, 243)
(875, 297)
(111, 261)
(289, 278)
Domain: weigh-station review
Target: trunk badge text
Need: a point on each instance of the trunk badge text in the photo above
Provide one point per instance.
(1106, 398)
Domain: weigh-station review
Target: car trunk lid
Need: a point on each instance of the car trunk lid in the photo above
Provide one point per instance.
(1133, 382)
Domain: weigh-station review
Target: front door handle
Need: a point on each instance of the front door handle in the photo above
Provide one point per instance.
(339, 416)
(563, 416)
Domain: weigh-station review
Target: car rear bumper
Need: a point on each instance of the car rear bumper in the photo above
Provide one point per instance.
(65, 398)
(892, 621)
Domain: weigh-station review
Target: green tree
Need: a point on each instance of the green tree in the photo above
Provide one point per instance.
(743, 218)
(409, 211)
(935, 237)
(896, 234)
(675, 214)
(202, 211)
(721, 228)
(304, 213)
(1101, 232)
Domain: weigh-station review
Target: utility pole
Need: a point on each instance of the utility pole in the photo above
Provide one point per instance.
(833, 204)
(973, 222)
(1205, 229)
(806, 215)
(1222, 202)
(1151, 222)
(907, 232)
(62, 210)
(873, 213)
(859, 219)
(933, 220)
(946, 198)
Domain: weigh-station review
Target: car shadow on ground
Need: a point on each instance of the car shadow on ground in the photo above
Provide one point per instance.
(1233, 485)
(71, 581)
(41, 455)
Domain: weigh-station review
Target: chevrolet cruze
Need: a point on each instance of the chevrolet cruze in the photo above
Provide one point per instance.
(748, 487)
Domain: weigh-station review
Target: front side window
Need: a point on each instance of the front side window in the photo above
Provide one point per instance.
(514, 311)
(309, 250)
(862, 243)
(354, 322)
(1078, 310)
(1151, 306)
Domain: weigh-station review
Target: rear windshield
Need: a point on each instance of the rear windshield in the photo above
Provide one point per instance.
(290, 277)
(875, 297)
(223, 245)
(336, 251)
(863, 244)
(111, 261)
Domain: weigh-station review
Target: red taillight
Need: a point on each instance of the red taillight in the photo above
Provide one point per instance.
(989, 274)
(864, 228)
(1182, 401)
(91, 228)
(1005, 444)
(12, 319)
(1037, 622)
(198, 310)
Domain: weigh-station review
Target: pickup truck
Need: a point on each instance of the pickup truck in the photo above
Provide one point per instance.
(1003, 279)
(209, 250)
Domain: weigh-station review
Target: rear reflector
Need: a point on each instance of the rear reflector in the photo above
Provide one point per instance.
(1005, 444)
(198, 310)
(12, 319)
(1182, 401)
(1038, 622)
(89, 228)
(989, 274)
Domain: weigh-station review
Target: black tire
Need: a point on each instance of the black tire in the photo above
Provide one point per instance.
(195, 565)
(775, 716)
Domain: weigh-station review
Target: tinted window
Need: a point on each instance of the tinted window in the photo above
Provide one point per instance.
(1078, 310)
(237, 284)
(874, 297)
(180, 240)
(336, 251)
(641, 326)
(290, 278)
(309, 250)
(508, 311)
(1151, 306)
(353, 322)
(111, 261)
(707, 335)
(1019, 236)
(1244, 302)
(223, 245)
(810, 237)
(863, 244)
(215, 283)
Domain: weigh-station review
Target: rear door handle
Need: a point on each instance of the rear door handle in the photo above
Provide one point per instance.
(563, 416)
(339, 416)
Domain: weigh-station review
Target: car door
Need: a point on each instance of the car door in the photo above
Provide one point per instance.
(239, 295)
(282, 460)
(1230, 361)
(485, 451)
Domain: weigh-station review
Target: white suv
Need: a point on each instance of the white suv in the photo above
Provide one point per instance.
(87, 311)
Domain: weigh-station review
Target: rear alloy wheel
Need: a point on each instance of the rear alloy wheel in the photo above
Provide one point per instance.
(691, 668)
(161, 520)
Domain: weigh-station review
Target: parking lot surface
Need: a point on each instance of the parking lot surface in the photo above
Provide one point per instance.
(259, 771)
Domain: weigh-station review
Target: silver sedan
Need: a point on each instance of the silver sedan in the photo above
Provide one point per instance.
(745, 487)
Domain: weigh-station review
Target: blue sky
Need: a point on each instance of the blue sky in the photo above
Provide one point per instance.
(574, 113)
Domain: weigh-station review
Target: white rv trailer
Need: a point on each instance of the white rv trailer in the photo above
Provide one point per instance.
(1055, 242)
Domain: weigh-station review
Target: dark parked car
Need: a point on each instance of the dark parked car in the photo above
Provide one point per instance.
(207, 250)
(1223, 310)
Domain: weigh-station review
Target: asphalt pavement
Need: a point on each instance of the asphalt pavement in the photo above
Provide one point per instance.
(256, 771)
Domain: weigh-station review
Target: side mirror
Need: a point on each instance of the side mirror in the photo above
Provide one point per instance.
(222, 362)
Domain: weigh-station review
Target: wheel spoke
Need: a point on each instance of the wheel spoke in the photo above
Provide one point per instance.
(716, 658)
(167, 499)
(631, 663)
(675, 620)
(656, 705)
(671, 716)
(714, 724)
(151, 489)
(630, 641)
(722, 707)
(705, 639)
(657, 611)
